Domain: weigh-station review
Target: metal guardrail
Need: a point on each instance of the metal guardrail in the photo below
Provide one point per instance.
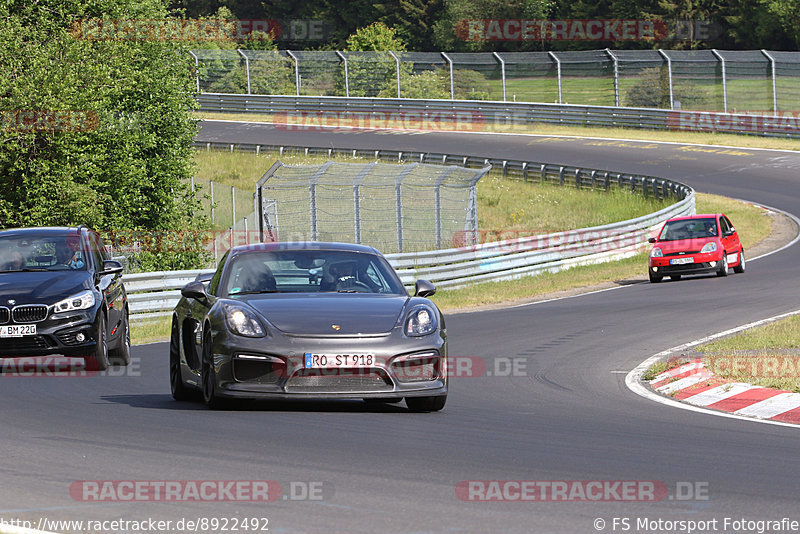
(314, 112)
(154, 295)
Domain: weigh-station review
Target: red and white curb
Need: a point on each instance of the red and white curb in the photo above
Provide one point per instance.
(693, 387)
(696, 385)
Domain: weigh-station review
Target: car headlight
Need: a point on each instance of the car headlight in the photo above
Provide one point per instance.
(709, 247)
(81, 301)
(243, 322)
(656, 253)
(420, 321)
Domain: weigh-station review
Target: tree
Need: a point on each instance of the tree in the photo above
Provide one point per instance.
(120, 155)
(788, 12)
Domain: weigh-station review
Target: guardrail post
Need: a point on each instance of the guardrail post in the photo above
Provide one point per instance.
(524, 171)
(594, 179)
(346, 75)
(561, 176)
(774, 82)
(616, 76)
(544, 173)
(558, 71)
(247, 69)
(607, 181)
(724, 79)
(502, 73)
(669, 74)
(577, 178)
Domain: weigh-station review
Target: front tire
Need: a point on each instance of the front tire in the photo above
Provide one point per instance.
(122, 354)
(209, 378)
(98, 360)
(723, 267)
(654, 278)
(426, 404)
(739, 269)
(178, 389)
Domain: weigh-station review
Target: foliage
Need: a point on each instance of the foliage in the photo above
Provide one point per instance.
(122, 158)
(651, 90)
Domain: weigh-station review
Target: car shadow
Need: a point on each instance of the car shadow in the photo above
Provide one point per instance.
(166, 402)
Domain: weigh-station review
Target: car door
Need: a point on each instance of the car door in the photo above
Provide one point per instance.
(110, 284)
(730, 241)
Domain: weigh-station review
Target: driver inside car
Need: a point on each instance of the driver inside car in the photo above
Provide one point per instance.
(66, 256)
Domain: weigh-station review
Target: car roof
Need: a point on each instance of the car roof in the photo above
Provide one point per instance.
(698, 216)
(304, 245)
(41, 230)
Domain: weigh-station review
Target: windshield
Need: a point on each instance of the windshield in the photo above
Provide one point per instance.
(689, 229)
(41, 253)
(310, 271)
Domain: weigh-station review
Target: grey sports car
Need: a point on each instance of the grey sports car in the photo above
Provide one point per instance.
(308, 320)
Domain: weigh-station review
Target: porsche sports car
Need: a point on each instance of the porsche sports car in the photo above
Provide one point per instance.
(696, 244)
(308, 320)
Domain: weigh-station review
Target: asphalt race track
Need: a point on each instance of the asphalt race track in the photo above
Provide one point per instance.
(567, 417)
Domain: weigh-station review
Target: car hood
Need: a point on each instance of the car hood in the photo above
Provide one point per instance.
(41, 287)
(684, 245)
(315, 314)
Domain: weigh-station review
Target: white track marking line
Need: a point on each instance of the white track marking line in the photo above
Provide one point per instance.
(772, 406)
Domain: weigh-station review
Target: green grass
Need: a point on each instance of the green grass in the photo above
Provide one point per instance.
(150, 331)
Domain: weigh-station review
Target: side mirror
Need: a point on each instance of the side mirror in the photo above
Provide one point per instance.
(651, 240)
(195, 290)
(111, 267)
(423, 288)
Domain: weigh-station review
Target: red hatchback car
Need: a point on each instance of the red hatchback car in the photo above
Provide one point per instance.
(696, 244)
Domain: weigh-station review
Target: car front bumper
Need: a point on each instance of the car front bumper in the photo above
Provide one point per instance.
(274, 367)
(57, 334)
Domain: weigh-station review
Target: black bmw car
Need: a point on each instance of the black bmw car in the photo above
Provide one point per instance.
(60, 293)
(308, 320)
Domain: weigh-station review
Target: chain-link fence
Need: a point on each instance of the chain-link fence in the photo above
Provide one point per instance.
(395, 208)
(702, 80)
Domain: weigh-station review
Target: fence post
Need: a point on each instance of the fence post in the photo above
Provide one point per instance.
(616, 76)
(255, 214)
(296, 71)
(669, 74)
(558, 70)
(196, 70)
(724, 79)
(346, 75)
(397, 62)
(450, 62)
(247, 69)
(502, 72)
(774, 82)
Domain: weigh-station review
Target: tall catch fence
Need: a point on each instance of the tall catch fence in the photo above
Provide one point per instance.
(395, 208)
(696, 80)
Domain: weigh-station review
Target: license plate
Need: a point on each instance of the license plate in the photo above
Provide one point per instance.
(18, 330)
(336, 361)
(681, 261)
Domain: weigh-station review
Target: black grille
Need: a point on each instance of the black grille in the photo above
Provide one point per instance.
(33, 313)
(340, 381)
(5, 315)
(258, 371)
(25, 343)
(683, 253)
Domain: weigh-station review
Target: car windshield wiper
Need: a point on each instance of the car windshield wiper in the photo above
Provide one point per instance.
(256, 292)
(24, 270)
